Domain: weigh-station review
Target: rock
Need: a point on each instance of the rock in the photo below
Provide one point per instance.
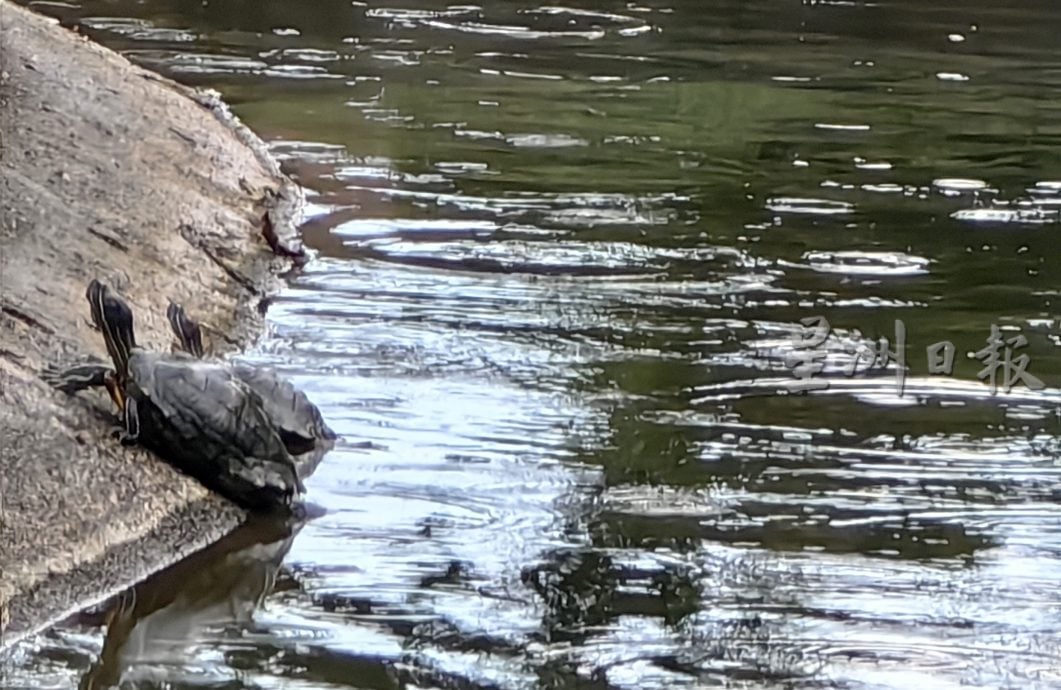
(80, 516)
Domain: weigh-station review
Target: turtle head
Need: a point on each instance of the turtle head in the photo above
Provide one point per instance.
(186, 329)
(114, 318)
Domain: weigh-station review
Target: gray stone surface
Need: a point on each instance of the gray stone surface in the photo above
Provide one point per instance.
(110, 171)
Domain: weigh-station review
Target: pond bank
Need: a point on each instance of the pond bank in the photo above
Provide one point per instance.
(109, 171)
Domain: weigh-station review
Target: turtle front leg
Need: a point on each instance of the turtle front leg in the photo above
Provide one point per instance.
(131, 434)
(76, 378)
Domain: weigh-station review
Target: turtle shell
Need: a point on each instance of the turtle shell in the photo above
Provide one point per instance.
(210, 424)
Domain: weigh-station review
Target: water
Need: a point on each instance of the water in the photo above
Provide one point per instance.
(564, 255)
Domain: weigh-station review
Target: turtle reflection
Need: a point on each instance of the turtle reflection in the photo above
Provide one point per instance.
(157, 624)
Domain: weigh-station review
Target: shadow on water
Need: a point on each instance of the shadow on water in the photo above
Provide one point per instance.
(565, 255)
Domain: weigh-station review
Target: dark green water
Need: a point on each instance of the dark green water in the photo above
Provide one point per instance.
(564, 255)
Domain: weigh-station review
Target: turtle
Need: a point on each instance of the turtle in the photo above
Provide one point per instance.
(298, 421)
(195, 414)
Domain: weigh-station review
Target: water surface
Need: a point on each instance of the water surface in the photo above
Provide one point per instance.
(565, 258)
